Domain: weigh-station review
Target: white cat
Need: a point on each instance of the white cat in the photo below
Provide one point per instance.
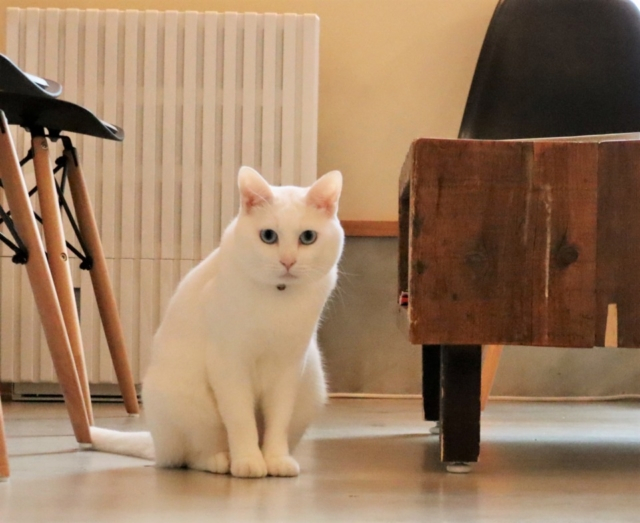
(236, 375)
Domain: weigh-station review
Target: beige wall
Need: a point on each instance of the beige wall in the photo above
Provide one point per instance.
(390, 71)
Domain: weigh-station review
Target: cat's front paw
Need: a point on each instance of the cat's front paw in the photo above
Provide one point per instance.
(219, 463)
(249, 467)
(284, 466)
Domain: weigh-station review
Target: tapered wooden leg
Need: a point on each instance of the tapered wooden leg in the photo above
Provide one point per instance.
(4, 457)
(490, 360)
(42, 284)
(58, 259)
(101, 281)
(460, 403)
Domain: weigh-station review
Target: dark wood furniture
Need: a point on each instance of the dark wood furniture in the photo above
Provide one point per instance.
(531, 242)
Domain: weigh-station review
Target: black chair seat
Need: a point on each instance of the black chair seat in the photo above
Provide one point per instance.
(13, 79)
(32, 112)
(557, 68)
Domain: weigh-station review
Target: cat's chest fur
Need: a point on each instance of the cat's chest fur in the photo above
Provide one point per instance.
(217, 304)
(243, 311)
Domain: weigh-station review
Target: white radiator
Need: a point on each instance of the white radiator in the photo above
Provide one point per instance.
(198, 95)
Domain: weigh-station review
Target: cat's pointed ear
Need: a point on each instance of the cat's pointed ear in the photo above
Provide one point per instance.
(325, 192)
(254, 189)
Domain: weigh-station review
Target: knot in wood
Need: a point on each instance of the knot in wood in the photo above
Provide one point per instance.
(476, 259)
(566, 255)
(419, 266)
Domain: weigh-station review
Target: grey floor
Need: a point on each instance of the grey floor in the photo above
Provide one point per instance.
(364, 461)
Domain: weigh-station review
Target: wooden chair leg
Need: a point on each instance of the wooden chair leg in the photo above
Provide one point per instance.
(42, 284)
(4, 457)
(101, 281)
(490, 361)
(58, 259)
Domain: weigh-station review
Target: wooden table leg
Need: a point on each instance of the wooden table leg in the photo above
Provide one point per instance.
(101, 282)
(4, 458)
(460, 403)
(42, 284)
(58, 258)
(490, 361)
(431, 382)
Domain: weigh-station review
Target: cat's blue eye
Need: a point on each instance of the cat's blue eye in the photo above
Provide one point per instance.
(308, 237)
(268, 236)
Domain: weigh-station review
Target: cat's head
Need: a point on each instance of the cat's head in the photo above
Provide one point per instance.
(288, 235)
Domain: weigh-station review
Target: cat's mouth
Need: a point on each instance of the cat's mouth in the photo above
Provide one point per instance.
(288, 276)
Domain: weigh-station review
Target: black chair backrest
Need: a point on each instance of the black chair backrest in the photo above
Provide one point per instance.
(557, 68)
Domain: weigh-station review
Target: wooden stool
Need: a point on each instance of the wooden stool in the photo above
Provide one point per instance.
(529, 243)
(36, 109)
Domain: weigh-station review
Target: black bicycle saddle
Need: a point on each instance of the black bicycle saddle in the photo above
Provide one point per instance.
(14, 80)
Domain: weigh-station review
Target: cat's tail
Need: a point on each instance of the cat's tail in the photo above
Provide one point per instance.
(136, 444)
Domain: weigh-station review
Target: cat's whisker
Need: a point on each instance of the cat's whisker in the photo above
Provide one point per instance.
(338, 295)
(346, 275)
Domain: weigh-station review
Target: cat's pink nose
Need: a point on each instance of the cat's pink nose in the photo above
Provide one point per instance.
(288, 264)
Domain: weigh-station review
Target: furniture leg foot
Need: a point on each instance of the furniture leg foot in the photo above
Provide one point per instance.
(458, 467)
(435, 429)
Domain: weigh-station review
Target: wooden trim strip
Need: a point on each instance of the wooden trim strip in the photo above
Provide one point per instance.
(380, 229)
